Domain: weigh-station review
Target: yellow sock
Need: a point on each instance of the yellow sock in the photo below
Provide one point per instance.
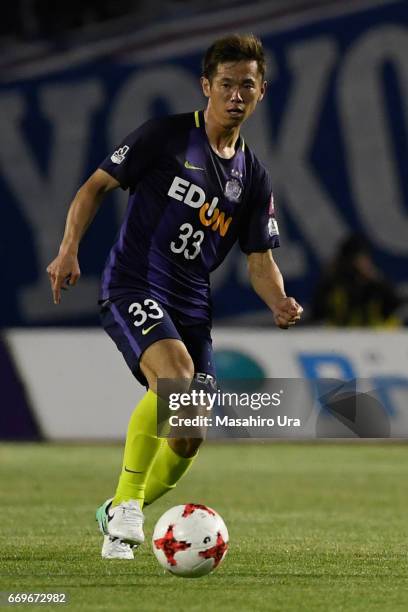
(141, 448)
(167, 469)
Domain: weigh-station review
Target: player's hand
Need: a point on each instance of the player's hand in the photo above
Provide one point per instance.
(287, 312)
(63, 272)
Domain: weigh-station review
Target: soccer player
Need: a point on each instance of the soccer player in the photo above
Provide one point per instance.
(195, 187)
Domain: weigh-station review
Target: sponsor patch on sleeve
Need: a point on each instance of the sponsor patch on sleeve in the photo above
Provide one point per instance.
(273, 227)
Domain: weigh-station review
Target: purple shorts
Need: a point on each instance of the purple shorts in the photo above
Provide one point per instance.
(136, 321)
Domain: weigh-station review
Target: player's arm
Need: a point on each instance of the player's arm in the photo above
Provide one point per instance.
(267, 281)
(64, 269)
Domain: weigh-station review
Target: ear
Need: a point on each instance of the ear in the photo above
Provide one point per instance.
(206, 86)
(263, 90)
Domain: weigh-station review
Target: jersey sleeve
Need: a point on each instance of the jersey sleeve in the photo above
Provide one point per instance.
(132, 158)
(260, 229)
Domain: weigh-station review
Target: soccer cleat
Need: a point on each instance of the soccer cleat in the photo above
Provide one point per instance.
(124, 521)
(113, 548)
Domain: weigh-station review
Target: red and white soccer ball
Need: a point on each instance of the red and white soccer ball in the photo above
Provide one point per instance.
(190, 540)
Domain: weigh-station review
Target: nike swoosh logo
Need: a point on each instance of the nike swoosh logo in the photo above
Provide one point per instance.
(191, 167)
(149, 329)
(132, 471)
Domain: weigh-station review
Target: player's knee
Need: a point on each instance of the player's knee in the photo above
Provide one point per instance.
(171, 364)
(180, 367)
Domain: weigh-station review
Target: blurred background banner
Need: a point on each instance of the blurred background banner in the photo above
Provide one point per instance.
(78, 388)
(332, 131)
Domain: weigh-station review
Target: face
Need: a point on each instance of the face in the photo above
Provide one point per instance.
(233, 92)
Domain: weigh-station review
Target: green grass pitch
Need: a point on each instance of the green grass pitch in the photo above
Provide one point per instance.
(312, 527)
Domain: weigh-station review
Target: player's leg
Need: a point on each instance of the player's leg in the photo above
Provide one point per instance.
(121, 517)
(167, 358)
(176, 455)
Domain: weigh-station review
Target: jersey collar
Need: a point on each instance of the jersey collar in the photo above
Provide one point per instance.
(199, 122)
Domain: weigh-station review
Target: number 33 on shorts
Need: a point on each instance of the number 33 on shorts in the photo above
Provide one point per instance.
(150, 309)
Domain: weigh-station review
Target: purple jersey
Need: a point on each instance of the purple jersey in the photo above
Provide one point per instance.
(187, 207)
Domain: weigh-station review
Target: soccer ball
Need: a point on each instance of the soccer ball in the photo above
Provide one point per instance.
(190, 540)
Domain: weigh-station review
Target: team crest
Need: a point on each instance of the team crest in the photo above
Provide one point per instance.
(233, 189)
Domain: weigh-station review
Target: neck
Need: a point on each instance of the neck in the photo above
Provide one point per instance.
(222, 139)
